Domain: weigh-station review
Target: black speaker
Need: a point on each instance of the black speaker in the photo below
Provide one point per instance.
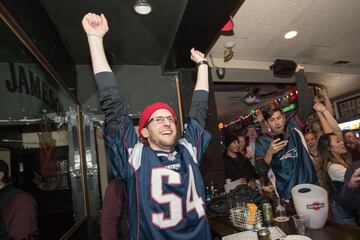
(283, 68)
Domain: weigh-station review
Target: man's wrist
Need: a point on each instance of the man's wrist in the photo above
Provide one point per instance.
(268, 157)
(270, 153)
(94, 35)
(202, 62)
(300, 71)
(322, 111)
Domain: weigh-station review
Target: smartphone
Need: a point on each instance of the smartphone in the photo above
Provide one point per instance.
(281, 136)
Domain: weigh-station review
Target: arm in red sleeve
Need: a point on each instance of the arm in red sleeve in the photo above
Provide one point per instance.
(111, 210)
(21, 216)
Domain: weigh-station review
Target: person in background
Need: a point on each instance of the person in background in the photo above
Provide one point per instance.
(164, 185)
(284, 150)
(322, 101)
(316, 128)
(323, 97)
(236, 165)
(311, 143)
(352, 143)
(242, 146)
(331, 173)
(349, 197)
(18, 218)
(265, 129)
(252, 136)
(327, 120)
(328, 125)
(113, 221)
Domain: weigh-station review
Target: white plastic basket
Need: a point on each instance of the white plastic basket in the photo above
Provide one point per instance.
(239, 217)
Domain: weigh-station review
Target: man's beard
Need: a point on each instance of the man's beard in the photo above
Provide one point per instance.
(165, 145)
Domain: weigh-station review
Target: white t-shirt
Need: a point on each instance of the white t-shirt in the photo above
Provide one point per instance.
(336, 172)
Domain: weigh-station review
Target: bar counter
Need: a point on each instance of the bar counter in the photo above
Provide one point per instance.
(331, 231)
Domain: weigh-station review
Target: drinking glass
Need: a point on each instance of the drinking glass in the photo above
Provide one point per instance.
(301, 223)
(280, 211)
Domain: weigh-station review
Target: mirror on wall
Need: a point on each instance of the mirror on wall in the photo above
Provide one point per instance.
(39, 138)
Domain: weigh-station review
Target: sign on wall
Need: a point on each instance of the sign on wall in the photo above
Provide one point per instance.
(26, 91)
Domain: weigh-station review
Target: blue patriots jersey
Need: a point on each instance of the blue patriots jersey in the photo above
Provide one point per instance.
(166, 196)
(292, 165)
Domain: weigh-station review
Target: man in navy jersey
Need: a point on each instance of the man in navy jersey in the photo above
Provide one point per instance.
(284, 150)
(164, 184)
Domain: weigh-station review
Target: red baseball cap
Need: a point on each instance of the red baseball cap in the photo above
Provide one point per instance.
(149, 110)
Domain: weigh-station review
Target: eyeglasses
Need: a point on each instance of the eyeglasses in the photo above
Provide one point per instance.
(161, 120)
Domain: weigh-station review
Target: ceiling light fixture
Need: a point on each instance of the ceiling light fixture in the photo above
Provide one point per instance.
(290, 34)
(229, 44)
(142, 7)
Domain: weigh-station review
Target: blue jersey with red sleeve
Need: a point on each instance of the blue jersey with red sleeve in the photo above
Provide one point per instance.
(166, 195)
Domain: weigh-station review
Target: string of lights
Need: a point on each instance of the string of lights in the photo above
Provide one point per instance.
(287, 102)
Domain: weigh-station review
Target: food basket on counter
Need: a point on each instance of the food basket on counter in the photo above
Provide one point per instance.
(246, 218)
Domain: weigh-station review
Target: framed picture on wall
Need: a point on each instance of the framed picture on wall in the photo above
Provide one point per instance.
(349, 108)
(357, 102)
(351, 104)
(343, 107)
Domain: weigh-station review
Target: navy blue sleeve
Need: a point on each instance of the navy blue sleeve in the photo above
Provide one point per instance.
(293, 122)
(119, 146)
(112, 105)
(305, 97)
(261, 166)
(119, 134)
(195, 139)
(199, 106)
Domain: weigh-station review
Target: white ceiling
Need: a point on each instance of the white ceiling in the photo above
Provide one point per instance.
(328, 31)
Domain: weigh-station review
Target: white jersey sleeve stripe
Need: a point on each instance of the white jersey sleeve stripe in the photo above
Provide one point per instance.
(190, 148)
(135, 155)
(303, 141)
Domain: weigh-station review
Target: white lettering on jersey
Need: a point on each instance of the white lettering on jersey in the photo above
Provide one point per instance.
(174, 201)
(193, 200)
(197, 203)
(176, 166)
